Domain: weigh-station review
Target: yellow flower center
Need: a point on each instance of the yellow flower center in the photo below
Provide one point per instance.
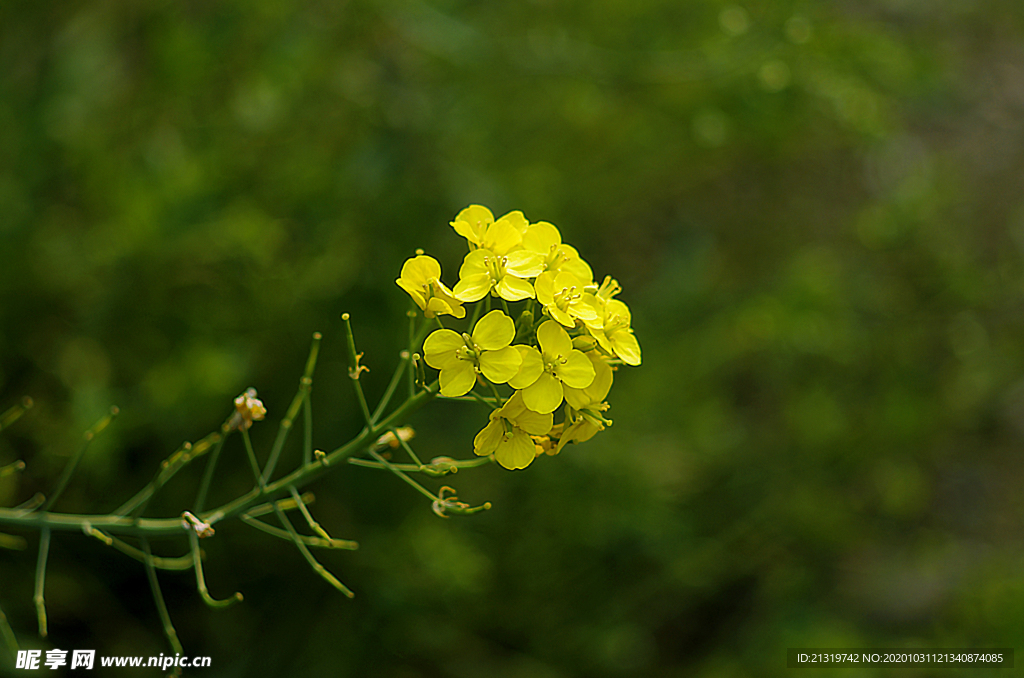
(566, 297)
(495, 267)
(469, 351)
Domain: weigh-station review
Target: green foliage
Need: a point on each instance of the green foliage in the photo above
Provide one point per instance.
(814, 206)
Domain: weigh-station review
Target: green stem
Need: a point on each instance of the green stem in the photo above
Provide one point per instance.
(211, 465)
(158, 598)
(391, 467)
(72, 465)
(162, 527)
(405, 446)
(14, 413)
(313, 525)
(405, 361)
(307, 430)
(8, 633)
(12, 468)
(305, 386)
(197, 564)
(313, 562)
(309, 541)
(354, 369)
(180, 563)
(168, 468)
(44, 553)
(432, 469)
(251, 454)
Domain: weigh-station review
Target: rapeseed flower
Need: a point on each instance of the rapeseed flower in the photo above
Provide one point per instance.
(611, 328)
(461, 356)
(544, 372)
(583, 418)
(563, 297)
(545, 239)
(484, 271)
(477, 225)
(421, 278)
(508, 434)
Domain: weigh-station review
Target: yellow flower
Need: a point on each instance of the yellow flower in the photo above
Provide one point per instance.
(544, 239)
(583, 419)
(504, 276)
(543, 373)
(477, 225)
(581, 398)
(563, 297)
(461, 356)
(421, 278)
(611, 327)
(508, 434)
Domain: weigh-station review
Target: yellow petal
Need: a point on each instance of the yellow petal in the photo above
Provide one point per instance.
(512, 408)
(598, 390)
(531, 368)
(439, 348)
(544, 395)
(573, 263)
(501, 237)
(458, 379)
(577, 370)
(473, 288)
(486, 441)
(517, 220)
(554, 341)
(576, 397)
(545, 287)
(541, 237)
(495, 330)
(524, 264)
(618, 310)
(471, 222)
(517, 452)
(583, 308)
(501, 365)
(421, 269)
(510, 288)
(626, 346)
(437, 306)
(534, 423)
(561, 316)
(417, 292)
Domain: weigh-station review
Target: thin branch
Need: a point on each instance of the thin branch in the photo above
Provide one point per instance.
(158, 527)
(305, 385)
(355, 369)
(12, 414)
(12, 468)
(313, 562)
(158, 598)
(441, 466)
(313, 525)
(44, 553)
(69, 470)
(403, 363)
(8, 634)
(211, 465)
(251, 455)
(179, 563)
(197, 564)
(12, 542)
(344, 544)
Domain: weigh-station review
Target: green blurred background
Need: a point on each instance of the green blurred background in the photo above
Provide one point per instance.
(814, 210)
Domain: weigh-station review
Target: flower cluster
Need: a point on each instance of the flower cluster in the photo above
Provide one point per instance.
(568, 336)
